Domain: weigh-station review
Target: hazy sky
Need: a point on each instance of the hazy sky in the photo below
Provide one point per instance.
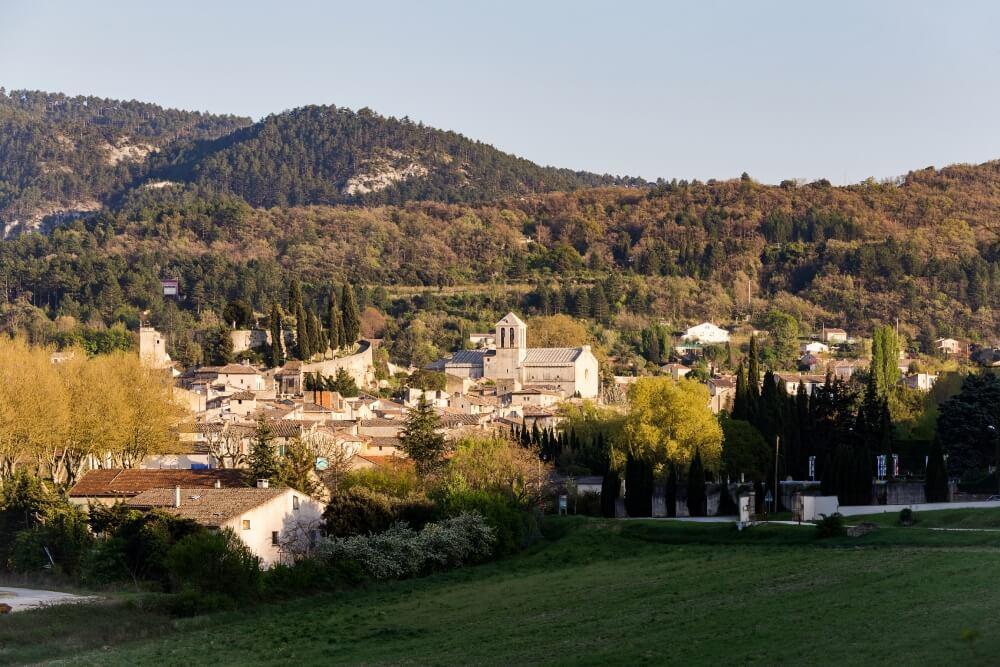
(696, 89)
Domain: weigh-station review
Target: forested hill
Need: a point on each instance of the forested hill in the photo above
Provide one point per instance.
(330, 155)
(61, 155)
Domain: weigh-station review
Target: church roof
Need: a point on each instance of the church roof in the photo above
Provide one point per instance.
(511, 318)
(467, 358)
(544, 356)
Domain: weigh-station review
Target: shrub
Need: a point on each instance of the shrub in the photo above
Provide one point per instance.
(588, 504)
(906, 517)
(398, 481)
(135, 547)
(831, 525)
(63, 534)
(215, 562)
(358, 511)
(402, 552)
(513, 527)
(727, 506)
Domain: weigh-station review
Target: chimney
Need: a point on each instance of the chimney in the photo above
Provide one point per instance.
(218, 484)
(177, 496)
(261, 484)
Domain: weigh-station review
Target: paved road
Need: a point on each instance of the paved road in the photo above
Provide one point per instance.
(857, 510)
(27, 598)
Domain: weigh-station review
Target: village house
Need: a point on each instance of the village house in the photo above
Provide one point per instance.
(791, 382)
(920, 381)
(721, 392)
(676, 371)
(814, 347)
(513, 363)
(436, 398)
(242, 404)
(810, 363)
(833, 336)
(275, 523)
(474, 404)
(108, 486)
(844, 369)
(951, 347)
(240, 377)
(706, 333)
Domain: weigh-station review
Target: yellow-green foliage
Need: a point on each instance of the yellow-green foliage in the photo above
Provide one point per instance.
(668, 420)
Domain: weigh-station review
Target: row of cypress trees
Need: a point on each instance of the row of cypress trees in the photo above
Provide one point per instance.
(341, 328)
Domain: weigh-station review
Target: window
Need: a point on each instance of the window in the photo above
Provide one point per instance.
(246, 524)
(295, 502)
(274, 538)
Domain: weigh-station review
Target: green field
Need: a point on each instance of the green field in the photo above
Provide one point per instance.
(598, 592)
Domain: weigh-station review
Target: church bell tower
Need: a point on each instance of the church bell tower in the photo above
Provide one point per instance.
(512, 346)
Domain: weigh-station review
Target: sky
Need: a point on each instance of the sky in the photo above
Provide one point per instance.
(841, 90)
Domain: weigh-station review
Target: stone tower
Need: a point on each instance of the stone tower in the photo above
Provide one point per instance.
(512, 346)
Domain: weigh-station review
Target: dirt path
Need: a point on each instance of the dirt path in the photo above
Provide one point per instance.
(27, 598)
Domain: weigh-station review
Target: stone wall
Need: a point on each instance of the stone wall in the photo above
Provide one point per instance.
(360, 365)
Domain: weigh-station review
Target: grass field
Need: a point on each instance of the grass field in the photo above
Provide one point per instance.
(598, 592)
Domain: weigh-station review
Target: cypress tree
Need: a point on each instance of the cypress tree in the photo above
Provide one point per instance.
(727, 506)
(334, 324)
(294, 296)
(670, 491)
(302, 333)
(936, 477)
(753, 380)
(740, 399)
(638, 488)
(610, 486)
(314, 332)
(696, 495)
(350, 317)
(277, 358)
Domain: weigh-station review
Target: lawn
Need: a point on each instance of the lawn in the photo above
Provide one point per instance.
(599, 592)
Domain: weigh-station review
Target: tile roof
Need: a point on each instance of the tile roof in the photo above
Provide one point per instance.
(122, 482)
(243, 396)
(453, 421)
(209, 507)
(384, 441)
(542, 356)
(238, 369)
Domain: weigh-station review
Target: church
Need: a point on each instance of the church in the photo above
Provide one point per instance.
(514, 365)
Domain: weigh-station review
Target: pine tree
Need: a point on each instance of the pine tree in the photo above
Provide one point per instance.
(351, 319)
(581, 304)
(599, 304)
(696, 493)
(261, 463)
(420, 438)
(277, 357)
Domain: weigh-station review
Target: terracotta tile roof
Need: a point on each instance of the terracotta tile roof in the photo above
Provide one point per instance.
(124, 482)
(243, 396)
(377, 441)
(380, 422)
(238, 369)
(454, 421)
(209, 507)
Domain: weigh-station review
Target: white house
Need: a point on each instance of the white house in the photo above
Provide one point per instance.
(277, 524)
(792, 381)
(574, 370)
(706, 333)
(921, 381)
(240, 376)
(814, 347)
